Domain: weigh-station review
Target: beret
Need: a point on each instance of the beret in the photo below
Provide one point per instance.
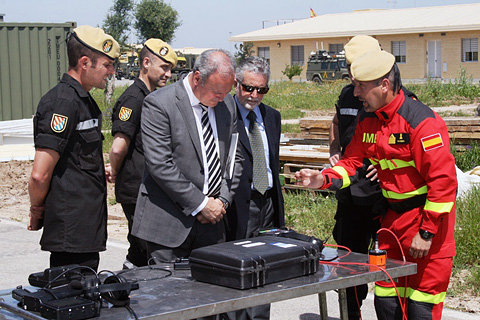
(372, 65)
(162, 50)
(360, 45)
(97, 40)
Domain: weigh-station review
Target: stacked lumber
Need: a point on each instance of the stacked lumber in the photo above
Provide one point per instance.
(289, 170)
(305, 154)
(463, 131)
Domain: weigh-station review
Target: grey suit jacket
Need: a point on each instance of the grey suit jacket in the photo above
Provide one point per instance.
(174, 171)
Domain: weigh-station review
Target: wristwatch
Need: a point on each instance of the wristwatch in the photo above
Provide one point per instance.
(225, 203)
(426, 235)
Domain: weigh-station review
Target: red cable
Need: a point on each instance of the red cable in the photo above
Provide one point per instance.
(402, 305)
(404, 260)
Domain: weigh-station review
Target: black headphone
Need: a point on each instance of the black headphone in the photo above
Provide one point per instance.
(115, 289)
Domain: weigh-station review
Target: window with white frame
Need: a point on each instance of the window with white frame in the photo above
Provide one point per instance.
(335, 47)
(469, 49)
(298, 56)
(399, 50)
(264, 52)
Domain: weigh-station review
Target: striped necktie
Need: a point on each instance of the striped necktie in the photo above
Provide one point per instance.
(213, 160)
(260, 175)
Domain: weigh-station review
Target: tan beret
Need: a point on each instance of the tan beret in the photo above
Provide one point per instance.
(97, 40)
(162, 49)
(360, 45)
(372, 65)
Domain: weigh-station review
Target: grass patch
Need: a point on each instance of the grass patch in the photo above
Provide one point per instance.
(291, 128)
(293, 98)
(468, 158)
(310, 213)
(435, 93)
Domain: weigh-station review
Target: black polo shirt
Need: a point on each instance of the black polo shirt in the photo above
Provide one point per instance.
(126, 118)
(69, 121)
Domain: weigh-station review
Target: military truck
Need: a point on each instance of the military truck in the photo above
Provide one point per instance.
(184, 65)
(324, 66)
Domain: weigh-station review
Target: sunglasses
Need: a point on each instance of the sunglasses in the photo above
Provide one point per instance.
(250, 89)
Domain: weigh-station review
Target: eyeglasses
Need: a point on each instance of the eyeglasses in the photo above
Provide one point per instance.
(250, 89)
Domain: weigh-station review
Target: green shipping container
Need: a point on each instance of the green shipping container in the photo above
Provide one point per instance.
(33, 58)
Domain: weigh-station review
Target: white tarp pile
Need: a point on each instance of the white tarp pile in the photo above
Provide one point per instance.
(467, 181)
(16, 140)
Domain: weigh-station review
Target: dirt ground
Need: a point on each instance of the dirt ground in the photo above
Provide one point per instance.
(14, 205)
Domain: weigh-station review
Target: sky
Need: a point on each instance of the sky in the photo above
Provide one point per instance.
(205, 23)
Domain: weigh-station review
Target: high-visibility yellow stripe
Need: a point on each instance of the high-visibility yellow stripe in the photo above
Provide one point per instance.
(389, 292)
(392, 164)
(438, 206)
(411, 294)
(425, 297)
(341, 171)
(406, 195)
(373, 161)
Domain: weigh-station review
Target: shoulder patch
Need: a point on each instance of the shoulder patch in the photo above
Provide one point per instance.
(431, 142)
(124, 113)
(58, 123)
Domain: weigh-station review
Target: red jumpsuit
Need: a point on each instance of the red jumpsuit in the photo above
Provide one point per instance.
(408, 144)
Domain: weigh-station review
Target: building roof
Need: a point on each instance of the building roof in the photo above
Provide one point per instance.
(373, 22)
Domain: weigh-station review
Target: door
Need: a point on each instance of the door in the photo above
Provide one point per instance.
(434, 59)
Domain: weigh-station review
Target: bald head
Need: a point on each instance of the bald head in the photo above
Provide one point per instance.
(215, 61)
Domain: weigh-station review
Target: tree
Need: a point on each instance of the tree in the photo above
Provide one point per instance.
(118, 20)
(292, 71)
(156, 19)
(244, 51)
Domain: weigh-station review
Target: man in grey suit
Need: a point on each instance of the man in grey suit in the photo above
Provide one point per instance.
(187, 129)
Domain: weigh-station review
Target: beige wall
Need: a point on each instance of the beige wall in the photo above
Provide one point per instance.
(416, 47)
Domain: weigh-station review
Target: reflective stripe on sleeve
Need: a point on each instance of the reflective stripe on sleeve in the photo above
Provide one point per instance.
(349, 112)
(87, 124)
(343, 173)
(438, 206)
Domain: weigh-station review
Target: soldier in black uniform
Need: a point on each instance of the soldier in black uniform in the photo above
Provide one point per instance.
(126, 156)
(67, 186)
(360, 205)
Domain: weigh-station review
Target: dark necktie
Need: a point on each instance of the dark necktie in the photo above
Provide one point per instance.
(213, 160)
(260, 175)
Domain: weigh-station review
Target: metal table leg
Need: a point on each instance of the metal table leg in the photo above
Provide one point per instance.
(322, 303)
(342, 302)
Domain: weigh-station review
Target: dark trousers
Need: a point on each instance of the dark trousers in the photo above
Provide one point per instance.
(137, 252)
(200, 235)
(88, 259)
(355, 228)
(260, 217)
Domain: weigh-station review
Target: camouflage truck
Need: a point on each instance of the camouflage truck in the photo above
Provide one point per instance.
(184, 65)
(324, 66)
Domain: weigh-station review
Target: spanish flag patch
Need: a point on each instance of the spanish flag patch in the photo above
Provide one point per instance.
(432, 142)
(124, 114)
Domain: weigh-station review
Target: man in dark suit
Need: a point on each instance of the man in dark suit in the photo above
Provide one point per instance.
(187, 129)
(258, 201)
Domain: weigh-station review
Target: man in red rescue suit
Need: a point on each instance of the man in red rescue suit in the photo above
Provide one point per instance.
(408, 143)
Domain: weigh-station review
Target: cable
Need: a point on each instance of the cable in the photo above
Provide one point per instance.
(338, 263)
(132, 312)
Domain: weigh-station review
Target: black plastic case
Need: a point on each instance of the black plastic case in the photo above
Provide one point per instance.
(254, 262)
